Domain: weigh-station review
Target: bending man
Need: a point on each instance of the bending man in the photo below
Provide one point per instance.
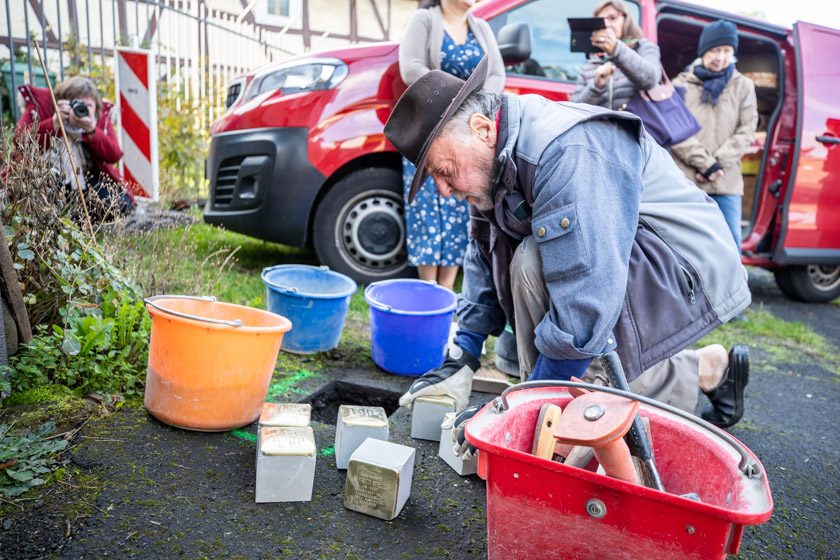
(585, 237)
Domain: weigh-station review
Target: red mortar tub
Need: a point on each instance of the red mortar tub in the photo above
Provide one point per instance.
(540, 509)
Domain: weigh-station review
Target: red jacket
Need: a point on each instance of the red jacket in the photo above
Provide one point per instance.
(102, 143)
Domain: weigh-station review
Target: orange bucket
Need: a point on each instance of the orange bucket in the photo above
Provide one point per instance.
(210, 363)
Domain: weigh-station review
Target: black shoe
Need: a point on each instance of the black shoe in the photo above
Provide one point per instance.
(728, 397)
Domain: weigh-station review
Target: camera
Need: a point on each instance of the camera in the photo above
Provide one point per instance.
(80, 108)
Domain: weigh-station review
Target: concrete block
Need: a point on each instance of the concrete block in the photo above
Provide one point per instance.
(354, 425)
(427, 416)
(445, 452)
(379, 477)
(285, 464)
(276, 415)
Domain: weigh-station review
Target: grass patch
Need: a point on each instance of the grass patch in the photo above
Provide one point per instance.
(200, 259)
(785, 341)
(65, 409)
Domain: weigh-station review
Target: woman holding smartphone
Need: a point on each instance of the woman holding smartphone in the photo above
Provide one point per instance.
(625, 61)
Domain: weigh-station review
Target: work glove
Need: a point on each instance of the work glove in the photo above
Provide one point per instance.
(452, 379)
(461, 447)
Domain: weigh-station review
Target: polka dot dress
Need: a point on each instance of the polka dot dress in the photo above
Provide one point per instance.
(437, 226)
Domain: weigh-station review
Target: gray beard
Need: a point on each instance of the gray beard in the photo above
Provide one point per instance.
(486, 168)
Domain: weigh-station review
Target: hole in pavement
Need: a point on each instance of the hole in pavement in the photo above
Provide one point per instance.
(325, 402)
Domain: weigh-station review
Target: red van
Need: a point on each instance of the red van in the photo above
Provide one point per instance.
(300, 158)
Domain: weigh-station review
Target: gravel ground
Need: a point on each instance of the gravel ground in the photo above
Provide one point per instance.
(139, 488)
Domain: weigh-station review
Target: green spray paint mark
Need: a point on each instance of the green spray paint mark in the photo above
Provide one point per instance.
(242, 434)
(328, 451)
(277, 389)
(287, 384)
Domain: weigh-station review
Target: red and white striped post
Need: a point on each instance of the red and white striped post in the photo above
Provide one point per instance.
(137, 110)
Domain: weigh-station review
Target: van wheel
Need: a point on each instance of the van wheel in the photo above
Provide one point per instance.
(359, 227)
(813, 283)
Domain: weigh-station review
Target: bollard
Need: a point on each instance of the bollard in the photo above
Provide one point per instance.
(445, 452)
(285, 465)
(354, 425)
(427, 416)
(379, 478)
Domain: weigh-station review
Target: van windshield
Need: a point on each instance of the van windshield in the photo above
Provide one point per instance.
(551, 56)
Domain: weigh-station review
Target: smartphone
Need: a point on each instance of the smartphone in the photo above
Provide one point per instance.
(581, 32)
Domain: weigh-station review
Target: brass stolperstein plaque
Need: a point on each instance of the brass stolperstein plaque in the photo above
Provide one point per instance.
(370, 416)
(372, 489)
(442, 400)
(285, 414)
(298, 442)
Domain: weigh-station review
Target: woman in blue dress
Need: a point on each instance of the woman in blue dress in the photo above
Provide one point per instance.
(443, 36)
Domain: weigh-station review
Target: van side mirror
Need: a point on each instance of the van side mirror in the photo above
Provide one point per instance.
(514, 41)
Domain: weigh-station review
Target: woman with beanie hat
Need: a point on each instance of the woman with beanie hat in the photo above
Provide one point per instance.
(723, 102)
(626, 62)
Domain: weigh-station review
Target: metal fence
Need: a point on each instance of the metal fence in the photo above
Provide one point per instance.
(198, 51)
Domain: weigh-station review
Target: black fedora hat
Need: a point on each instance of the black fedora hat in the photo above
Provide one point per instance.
(423, 110)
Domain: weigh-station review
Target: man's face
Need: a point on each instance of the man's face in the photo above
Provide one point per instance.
(461, 162)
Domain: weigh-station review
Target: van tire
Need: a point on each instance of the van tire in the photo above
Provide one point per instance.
(812, 283)
(359, 227)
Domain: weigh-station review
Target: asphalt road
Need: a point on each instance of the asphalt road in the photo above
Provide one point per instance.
(143, 489)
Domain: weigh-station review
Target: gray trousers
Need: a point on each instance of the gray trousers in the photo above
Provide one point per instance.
(673, 381)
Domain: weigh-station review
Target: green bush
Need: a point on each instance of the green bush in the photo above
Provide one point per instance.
(58, 263)
(101, 348)
(27, 459)
(183, 145)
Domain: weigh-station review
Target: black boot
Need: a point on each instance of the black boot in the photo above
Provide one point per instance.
(728, 397)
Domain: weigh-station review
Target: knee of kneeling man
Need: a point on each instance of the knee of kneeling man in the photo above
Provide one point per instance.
(526, 266)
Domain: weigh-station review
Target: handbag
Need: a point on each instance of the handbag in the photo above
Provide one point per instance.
(664, 113)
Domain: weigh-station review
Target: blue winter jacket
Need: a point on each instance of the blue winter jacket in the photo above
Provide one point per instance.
(635, 257)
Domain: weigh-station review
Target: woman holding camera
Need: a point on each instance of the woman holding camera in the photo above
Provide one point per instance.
(626, 62)
(93, 142)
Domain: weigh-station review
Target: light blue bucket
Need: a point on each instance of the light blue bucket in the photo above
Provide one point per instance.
(315, 299)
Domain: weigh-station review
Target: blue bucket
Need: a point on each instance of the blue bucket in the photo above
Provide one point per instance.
(409, 324)
(315, 299)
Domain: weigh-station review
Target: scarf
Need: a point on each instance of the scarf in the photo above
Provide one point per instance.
(602, 57)
(713, 82)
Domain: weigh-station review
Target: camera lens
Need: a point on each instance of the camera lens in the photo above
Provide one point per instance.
(80, 109)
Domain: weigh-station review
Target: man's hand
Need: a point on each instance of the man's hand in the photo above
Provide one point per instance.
(603, 73)
(461, 447)
(452, 379)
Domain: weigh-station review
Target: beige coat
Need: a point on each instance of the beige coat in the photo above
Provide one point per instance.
(728, 130)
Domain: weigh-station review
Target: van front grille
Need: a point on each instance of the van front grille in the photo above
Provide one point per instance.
(226, 181)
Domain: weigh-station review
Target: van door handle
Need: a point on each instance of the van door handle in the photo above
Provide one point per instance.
(828, 139)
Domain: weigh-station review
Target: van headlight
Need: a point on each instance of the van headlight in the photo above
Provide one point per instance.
(311, 75)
